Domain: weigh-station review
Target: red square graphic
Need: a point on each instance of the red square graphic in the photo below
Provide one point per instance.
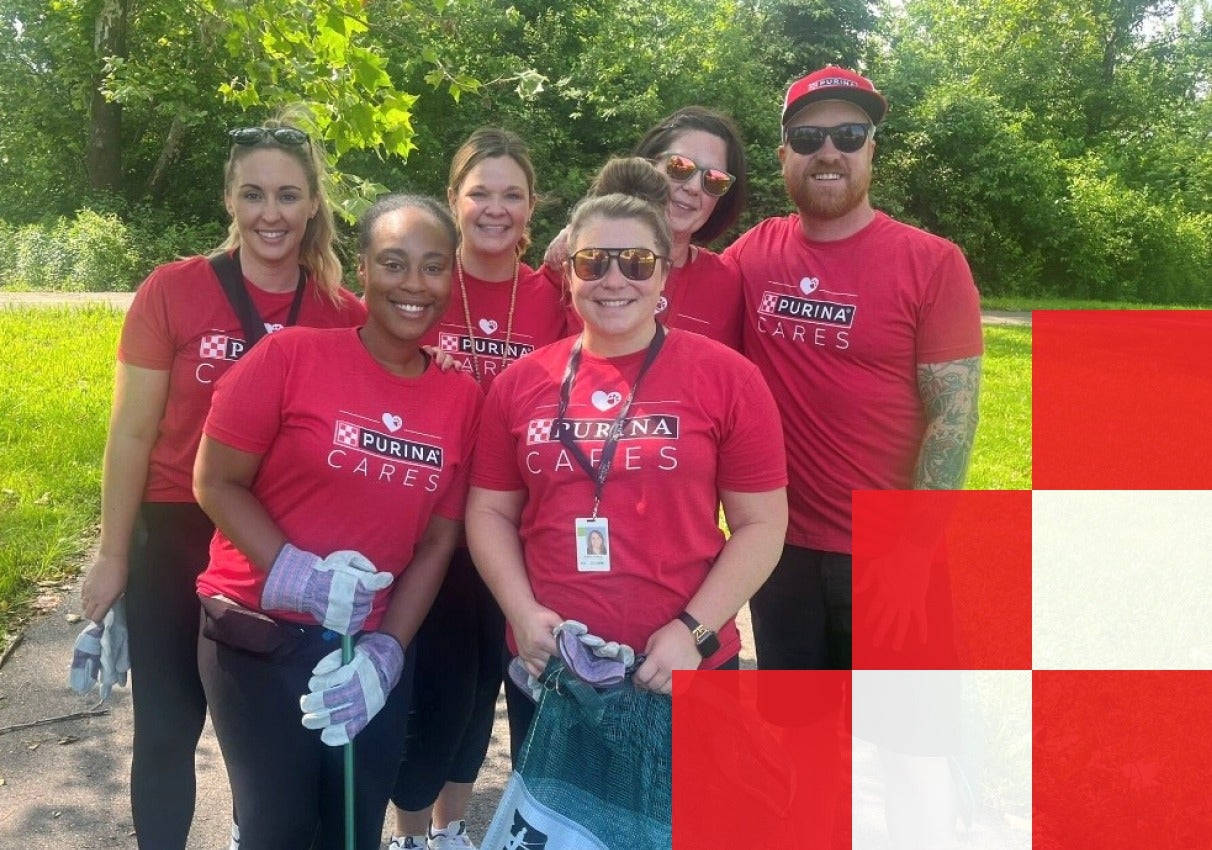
(942, 580)
(1120, 759)
(1121, 400)
(765, 752)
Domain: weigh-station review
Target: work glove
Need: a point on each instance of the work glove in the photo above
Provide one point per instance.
(100, 654)
(599, 662)
(338, 591)
(343, 698)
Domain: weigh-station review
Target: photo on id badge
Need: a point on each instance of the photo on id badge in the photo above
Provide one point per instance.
(593, 545)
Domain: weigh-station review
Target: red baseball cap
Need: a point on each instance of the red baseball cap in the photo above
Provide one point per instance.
(834, 83)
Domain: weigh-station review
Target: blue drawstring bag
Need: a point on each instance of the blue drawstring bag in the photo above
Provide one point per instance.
(595, 771)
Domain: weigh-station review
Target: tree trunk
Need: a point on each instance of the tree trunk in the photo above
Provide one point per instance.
(172, 145)
(104, 160)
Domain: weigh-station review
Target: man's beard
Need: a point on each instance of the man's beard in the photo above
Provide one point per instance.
(827, 203)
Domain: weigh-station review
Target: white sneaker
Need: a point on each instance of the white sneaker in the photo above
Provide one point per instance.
(235, 837)
(454, 837)
(407, 842)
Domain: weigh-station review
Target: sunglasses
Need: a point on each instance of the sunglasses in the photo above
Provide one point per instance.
(847, 138)
(282, 135)
(716, 181)
(634, 263)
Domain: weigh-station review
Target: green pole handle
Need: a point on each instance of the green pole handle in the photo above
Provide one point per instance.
(351, 840)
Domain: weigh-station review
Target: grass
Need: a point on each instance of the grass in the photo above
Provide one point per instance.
(55, 392)
(1034, 302)
(55, 395)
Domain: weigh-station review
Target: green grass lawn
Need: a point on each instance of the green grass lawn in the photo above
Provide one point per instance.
(55, 394)
(1011, 302)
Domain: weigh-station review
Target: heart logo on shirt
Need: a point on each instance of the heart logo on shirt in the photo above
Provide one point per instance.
(488, 326)
(394, 423)
(808, 285)
(603, 401)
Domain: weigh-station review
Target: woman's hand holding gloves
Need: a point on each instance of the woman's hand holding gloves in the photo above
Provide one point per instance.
(338, 591)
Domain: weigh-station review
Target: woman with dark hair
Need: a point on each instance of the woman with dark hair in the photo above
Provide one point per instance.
(701, 155)
(334, 464)
(181, 334)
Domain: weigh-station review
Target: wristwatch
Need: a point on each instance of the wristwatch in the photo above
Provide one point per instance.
(705, 640)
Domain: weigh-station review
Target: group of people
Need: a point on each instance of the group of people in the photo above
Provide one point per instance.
(477, 451)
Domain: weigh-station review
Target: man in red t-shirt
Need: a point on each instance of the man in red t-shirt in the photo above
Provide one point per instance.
(868, 333)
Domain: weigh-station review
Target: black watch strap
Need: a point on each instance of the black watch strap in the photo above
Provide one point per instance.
(707, 641)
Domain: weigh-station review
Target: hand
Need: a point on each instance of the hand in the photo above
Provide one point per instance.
(671, 647)
(444, 359)
(339, 591)
(557, 251)
(342, 699)
(893, 589)
(105, 582)
(535, 638)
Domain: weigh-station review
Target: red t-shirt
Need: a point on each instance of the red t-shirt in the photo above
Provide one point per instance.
(837, 329)
(538, 319)
(703, 296)
(353, 457)
(703, 421)
(181, 322)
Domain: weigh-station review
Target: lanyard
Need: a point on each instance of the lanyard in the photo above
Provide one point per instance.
(600, 474)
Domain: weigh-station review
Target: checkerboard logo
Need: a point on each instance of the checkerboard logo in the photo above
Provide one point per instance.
(448, 342)
(539, 431)
(346, 434)
(769, 302)
(213, 347)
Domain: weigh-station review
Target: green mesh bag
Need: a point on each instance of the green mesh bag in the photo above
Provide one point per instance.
(594, 772)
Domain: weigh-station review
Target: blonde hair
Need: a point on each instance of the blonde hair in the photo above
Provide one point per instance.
(490, 143)
(317, 253)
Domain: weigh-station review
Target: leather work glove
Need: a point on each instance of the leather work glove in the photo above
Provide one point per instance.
(100, 654)
(338, 591)
(599, 662)
(342, 699)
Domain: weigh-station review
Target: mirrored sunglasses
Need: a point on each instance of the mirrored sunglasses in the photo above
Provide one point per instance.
(847, 138)
(291, 136)
(716, 181)
(634, 263)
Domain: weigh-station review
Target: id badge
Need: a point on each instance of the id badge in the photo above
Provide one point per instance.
(593, 545)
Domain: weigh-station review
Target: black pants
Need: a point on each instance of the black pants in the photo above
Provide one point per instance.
(170, 548)
(801, 615)
(455, 689)
(286, 782)
(522, 709)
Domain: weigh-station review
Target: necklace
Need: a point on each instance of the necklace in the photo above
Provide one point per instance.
(471, 336)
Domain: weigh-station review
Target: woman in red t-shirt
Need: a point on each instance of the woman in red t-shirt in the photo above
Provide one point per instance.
(637, 433)
(180, 335)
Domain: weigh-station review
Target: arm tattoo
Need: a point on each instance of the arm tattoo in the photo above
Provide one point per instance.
(949, 392)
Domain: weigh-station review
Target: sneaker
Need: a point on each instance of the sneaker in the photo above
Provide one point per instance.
(407, 842)
(454, 837)
(235, 837)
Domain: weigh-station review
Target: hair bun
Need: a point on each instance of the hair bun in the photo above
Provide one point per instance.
(633, 176)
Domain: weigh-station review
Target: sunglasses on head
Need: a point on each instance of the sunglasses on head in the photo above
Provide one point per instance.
(716, 181)
(634, 263)
(282, 135)
(847, 138)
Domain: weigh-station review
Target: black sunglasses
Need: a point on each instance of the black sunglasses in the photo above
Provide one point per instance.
(847, 138)
(634, 263)
(716, 181)
(291, 136)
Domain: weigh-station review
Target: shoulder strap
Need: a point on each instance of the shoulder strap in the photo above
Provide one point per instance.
(227, 269)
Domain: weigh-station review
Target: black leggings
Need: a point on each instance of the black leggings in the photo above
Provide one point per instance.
(455, 689)
(801, 615)
(286, 782)
(169, 549)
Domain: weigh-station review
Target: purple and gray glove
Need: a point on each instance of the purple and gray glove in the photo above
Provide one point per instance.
(339, 591)
(342, 699)
(591, 659)
(100, 654)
